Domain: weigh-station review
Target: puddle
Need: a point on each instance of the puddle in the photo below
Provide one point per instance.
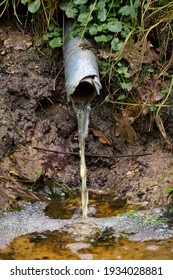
(35, 233)
(99, 206)
(61, 246)
(62, 208)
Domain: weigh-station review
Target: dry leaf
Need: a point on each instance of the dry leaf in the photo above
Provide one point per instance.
(103, 138)
(160, 125)
(124, 128)
(57, 161)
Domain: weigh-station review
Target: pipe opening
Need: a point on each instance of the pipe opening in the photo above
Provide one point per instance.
(84, 93)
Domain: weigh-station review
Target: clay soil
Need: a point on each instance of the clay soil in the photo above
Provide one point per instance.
(34, 112)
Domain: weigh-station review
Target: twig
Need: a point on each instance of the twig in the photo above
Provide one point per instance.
(141, 104)
(90, 154)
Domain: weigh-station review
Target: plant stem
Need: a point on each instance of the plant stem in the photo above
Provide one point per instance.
(166, 98)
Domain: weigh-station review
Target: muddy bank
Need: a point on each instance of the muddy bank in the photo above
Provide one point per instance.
(34, 113)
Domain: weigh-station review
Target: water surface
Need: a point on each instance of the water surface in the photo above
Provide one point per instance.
(33, 234)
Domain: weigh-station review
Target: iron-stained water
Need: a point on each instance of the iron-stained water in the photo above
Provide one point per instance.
(82, 112)
(62, 246)
(34, 233)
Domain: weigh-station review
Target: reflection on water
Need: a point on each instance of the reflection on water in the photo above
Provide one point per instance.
(61, 246)
(99, 206)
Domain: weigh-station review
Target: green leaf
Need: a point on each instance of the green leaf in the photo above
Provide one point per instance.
(119, 214)
(103, 38)
(101, 4)
(55, 42)
(153, 108)
(79, 2)
(150, 70)
(132, 211)
(125, 31)
(127, 86)
(169, 189)
(69, 8)
(56, 32)
(83, 8)
(165, 74)
(65, 5)
(146, 6)
(116, 44)
(46, 36)
(39, 173)
(107, 98)
(125, 11)
(103, 27)
(93, 7)
(34, 6)
(123, 70)
(165, 91)
(85, 17)
(121, 97)
(24, 1)
(51, 27)
(115, 26)
(114, 4)
(102, 14)
(93, 29)
(71, 13)
(137, 4)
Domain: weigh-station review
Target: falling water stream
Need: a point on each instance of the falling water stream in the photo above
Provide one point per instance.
(82, 111)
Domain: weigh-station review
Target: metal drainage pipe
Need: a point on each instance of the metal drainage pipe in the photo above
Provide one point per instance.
(81, 68)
